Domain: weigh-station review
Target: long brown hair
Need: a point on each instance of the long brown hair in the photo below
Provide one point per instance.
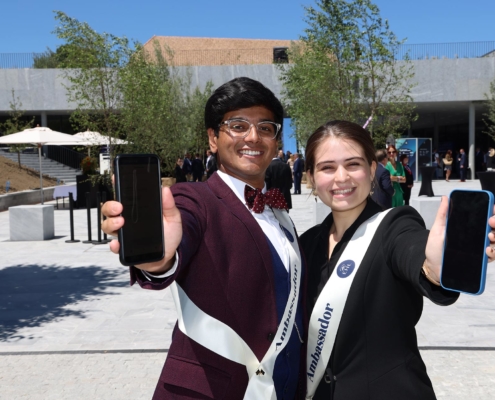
(341, 130)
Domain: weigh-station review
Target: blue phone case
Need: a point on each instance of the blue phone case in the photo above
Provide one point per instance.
(487, 242)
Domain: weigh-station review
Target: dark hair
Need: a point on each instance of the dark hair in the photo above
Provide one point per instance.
(197, 154)
(341, 130)
(241, 93)
(381, 155)
(402, 156)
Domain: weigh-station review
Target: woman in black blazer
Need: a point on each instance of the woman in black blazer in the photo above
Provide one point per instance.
(375, 355)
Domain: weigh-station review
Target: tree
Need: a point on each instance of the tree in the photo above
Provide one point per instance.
(160, 114)
(47, 59)
(345, 68)
(16, 123)
(123, 91)
(490, 114)
(60, 58)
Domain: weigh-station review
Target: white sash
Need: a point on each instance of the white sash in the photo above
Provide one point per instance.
(327, 312)
(223, 340)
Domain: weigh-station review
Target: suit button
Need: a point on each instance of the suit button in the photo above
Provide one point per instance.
(270, 337)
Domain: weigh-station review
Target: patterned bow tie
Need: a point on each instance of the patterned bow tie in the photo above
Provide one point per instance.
(256, 200)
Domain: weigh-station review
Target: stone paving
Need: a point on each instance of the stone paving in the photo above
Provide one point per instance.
(64, 307)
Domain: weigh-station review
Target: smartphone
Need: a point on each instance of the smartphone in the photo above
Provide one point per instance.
(466, 238)
(138, 187)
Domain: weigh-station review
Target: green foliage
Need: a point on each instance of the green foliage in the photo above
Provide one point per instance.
(16, 123)
(126, 92)
(490, 114)
(159, 113)
(345, 68)
(60, 58)
(47, 59)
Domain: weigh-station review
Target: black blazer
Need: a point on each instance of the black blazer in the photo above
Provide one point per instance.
(278, 175)
(376, 354)
(383, 190)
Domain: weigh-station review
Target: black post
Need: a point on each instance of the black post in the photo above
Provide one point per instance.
(71, 211)
(98, 210)
(104, 200)
(88, 209)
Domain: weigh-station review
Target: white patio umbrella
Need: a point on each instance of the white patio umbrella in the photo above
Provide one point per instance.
(90, 138)
(39, 136)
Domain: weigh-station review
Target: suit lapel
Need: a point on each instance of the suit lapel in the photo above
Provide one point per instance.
(239, 210)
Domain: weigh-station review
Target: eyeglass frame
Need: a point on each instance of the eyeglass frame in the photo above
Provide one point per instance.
(227, 122)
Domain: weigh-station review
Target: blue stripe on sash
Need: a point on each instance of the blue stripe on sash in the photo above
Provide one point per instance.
(286, 369)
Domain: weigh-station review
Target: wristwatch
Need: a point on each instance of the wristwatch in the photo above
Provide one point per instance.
(425, 270)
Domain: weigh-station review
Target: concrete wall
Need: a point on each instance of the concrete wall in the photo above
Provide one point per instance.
(444, 80)
(24, 198)
(37, 89)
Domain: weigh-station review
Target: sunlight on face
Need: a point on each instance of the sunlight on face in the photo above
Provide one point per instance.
(342, 176)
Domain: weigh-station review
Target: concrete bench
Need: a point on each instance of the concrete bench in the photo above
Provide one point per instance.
(28, 223)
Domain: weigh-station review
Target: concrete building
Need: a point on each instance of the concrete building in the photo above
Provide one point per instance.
(449, 91)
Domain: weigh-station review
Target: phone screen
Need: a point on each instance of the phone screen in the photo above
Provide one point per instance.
(464, 253)
(139, 188)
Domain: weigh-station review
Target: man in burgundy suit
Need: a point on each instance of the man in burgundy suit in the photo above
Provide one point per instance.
(232, 261)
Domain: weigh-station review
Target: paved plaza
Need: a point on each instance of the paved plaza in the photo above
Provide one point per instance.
(71, 327)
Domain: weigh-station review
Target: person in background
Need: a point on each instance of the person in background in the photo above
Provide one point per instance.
(409, 183)
(297, 170)
(187, 167)
(447, 162)
(287, 156)
(211, 163)
(397, 176)
(290, 161)
(438, 164)
(198, 169)
(382, 189)
(463, 164)
(281, 155)
(278, 175)
(490, 161)
(479, 160)
(179, 172)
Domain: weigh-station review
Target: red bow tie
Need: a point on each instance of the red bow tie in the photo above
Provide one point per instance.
(256, 200)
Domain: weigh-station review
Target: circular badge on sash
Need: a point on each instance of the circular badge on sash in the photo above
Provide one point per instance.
(287, 233)
(345, 268)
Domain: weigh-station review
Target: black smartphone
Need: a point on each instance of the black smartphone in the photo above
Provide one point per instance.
(138, 187)
(466, 239)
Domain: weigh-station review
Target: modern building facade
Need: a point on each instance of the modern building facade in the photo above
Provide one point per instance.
(449, 92)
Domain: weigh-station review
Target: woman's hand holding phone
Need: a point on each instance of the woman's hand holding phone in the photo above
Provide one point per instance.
(435, 245)
(172, 226)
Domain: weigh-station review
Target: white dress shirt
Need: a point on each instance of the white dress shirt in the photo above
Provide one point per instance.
(266, 220)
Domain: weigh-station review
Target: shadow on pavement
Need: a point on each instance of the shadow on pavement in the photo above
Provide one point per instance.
(32, 295)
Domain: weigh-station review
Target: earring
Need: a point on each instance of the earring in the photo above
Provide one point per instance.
(314, 192)
(373, 185)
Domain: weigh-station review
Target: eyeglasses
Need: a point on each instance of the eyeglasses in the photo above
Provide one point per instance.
(240, 128)
(391, 152)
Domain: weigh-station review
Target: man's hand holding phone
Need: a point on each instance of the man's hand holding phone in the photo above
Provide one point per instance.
(172, 227)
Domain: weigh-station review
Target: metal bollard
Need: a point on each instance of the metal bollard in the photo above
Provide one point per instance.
(88, 209)
(104, 200)
(98, 211)
(71, 211)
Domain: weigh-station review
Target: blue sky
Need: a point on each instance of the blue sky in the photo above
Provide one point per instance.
(26, 25)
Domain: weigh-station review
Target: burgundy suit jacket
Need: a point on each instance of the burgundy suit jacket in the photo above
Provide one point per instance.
(225, 267)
